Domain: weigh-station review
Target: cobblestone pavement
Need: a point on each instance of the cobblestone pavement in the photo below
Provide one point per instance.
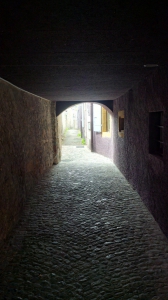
(85, 234)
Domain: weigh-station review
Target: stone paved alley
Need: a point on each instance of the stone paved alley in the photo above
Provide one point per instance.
(72, 138)
(85, 234)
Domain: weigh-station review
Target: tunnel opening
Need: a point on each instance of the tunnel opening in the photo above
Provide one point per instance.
(88, 125)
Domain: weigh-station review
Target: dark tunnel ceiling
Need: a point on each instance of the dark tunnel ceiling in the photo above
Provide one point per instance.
(66, 50)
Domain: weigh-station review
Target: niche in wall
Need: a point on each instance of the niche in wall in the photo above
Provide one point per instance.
(156, 133)
(121, 123)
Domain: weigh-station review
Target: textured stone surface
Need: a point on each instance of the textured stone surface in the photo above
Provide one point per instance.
(27, 138)
(147, 173)
(58, 137)
(85, 234)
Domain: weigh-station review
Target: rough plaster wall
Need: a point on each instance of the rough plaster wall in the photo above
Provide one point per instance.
(147, 173)
(58, 139)
(102, 145)
(27, 140)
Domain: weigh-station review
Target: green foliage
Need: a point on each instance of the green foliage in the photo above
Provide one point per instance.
(83, 142)
(65, 131)
(79, 134)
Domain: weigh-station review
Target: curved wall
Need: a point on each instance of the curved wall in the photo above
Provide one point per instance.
(147, 173)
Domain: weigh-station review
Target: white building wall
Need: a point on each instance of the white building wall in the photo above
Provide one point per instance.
(69, 118)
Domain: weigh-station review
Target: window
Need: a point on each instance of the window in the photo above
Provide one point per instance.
(121, 123)
(101, 120)
(156, 133)
(106, 120)
(97, 117)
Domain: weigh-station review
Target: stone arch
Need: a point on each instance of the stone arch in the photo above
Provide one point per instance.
(63, 105)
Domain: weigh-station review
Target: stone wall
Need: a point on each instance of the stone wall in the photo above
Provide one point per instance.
(147, 173)
(28, 146)
(58, 139)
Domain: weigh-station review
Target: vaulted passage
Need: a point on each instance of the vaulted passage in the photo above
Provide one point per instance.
(85, 234)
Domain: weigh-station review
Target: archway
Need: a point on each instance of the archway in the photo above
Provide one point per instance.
(63, 105)
(94, 120)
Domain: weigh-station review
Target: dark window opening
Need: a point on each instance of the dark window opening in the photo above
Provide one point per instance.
(121, 124)
(156, 133)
